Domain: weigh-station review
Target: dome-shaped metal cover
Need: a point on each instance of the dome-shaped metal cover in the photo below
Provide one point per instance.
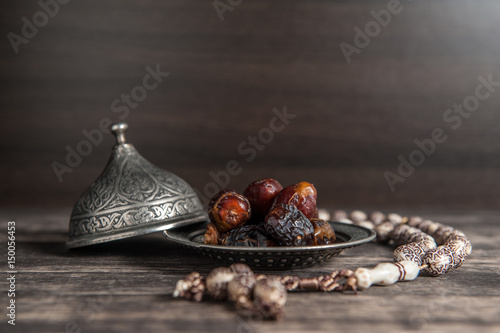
(131, 197)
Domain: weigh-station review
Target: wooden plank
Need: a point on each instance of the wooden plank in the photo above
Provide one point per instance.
(127, 286)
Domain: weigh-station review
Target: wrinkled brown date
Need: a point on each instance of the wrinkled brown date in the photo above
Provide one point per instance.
(323, 232)
(279, 217)
(228, 209)
(212, 235)
(302, 195)
(289, 226)
(261, 195)
(248, 236)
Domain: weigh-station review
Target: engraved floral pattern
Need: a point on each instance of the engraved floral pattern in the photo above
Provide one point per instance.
(135, 185)
(131, 191)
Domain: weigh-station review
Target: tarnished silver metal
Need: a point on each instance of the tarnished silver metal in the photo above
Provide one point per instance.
(130, 198)
(272, 258)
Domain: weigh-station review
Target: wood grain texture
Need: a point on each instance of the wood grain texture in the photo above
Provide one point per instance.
(126, 286)
(353, 120)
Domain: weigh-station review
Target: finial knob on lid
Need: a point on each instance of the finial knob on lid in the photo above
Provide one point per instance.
(118, 130)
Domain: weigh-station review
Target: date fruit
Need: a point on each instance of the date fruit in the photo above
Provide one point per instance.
(212, 235)
(261, 194)
(302, 195)
(228, 210)
(323, 232)
(289, 226)
(248, 236)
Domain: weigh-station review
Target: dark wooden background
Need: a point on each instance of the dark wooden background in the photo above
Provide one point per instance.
(353, 120)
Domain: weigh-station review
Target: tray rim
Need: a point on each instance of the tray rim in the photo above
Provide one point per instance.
(340, 227)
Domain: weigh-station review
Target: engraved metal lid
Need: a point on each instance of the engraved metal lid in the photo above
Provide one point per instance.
(130, 198)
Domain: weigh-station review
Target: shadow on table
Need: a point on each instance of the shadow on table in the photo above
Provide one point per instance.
(150, 251)
(54, 243)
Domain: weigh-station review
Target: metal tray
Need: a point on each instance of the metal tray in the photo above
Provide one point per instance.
(272, 258)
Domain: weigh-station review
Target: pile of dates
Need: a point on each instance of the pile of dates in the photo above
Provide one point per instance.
(267, 215)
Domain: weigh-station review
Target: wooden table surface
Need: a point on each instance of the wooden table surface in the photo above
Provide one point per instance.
(127, 286)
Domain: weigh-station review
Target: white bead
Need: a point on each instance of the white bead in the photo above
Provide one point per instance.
(367, 224)
(358, 216)
(411, 270)
(363, 277)
(324, 214)
(386, 274)
(346, 221)
(395, 218)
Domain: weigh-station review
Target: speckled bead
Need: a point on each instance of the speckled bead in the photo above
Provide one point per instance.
(468, 246)
(416, 237)
(367, 224)
(438, 261)
(424, 226)
(384, 231)
(414, 221)
(460, 247)
(442, 233)
(429, 242)
(455, 233)
(357, 216)
(386, 274)
(338, 215)
(398, 234)
(404, 234)
(432, 227)
(394, 218)
(413, 252)
(377, 218)
(419, 239)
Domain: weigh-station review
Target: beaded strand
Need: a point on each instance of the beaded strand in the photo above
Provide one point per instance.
(418, 240)
(422, 245)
